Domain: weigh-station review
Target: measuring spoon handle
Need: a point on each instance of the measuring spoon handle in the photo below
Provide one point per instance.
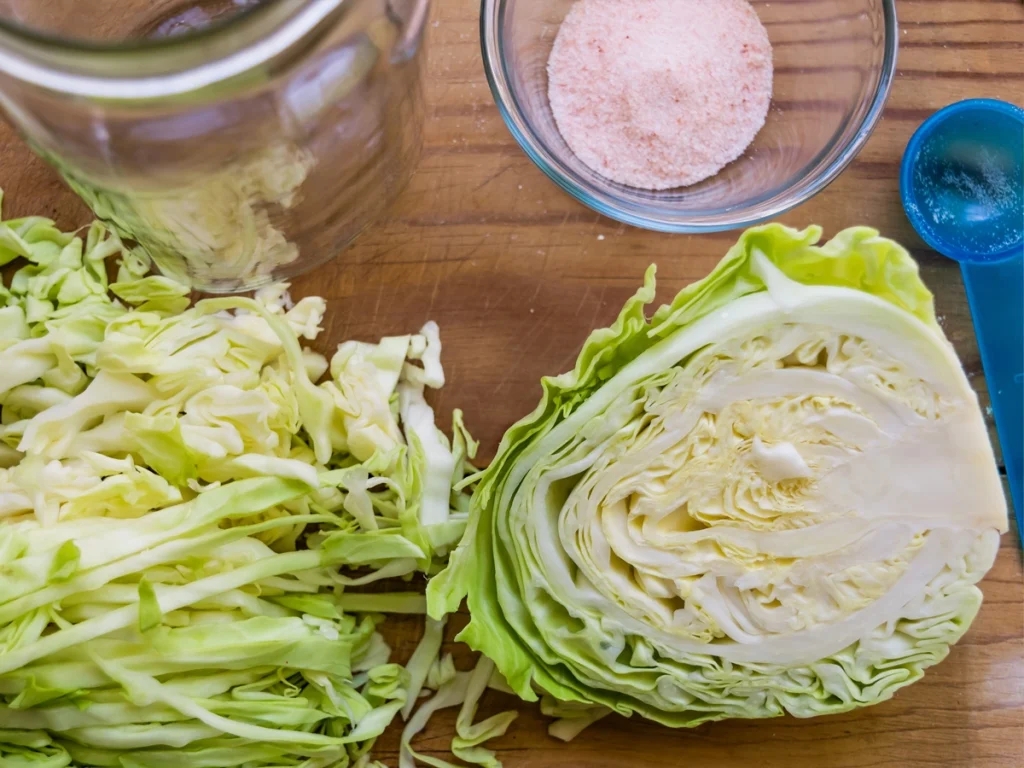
(995, 292)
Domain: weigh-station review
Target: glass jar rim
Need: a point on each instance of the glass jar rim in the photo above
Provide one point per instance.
(136, 43)
(152, 68)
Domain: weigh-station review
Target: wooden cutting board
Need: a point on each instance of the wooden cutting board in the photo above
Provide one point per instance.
(517, 274)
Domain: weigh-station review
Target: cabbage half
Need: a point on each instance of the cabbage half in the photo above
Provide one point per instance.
(776, 496)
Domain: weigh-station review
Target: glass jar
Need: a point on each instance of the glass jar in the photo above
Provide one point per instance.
(238, 141)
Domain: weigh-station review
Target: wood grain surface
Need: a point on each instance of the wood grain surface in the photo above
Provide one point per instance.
(517, 274)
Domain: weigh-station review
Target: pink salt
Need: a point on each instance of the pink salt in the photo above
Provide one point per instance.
(660, 93)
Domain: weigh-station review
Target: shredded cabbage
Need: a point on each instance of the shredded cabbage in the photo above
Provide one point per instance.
(186, 509)
(452, 688)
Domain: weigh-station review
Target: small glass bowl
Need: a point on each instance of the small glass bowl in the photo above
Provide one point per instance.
(834, 63)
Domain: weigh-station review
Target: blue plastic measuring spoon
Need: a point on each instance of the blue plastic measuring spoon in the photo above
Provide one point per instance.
(962, 184)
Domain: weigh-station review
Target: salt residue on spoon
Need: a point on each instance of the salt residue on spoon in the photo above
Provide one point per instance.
(660, 93)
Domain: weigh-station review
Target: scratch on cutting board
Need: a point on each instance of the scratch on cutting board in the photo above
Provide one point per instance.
(426, 259)
(376, 305)
(433, 296)
(583, 300)
(495, 176)
(567, 360)
(543, 271)
(526, 347)
(598, 305)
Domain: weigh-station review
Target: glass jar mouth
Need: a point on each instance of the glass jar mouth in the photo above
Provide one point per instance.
(144, 38)
(144, 68)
